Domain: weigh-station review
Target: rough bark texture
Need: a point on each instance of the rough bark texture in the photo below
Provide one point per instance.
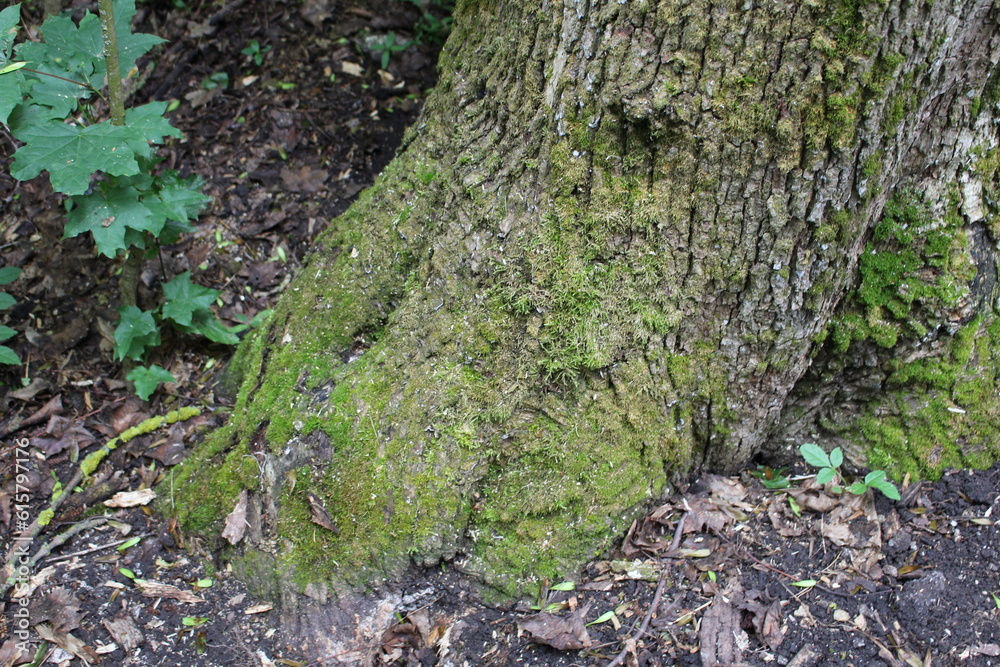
(615, 244)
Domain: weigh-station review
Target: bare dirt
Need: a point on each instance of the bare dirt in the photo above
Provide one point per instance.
(724, 572)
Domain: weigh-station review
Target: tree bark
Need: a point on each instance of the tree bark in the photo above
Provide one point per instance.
(626, 241)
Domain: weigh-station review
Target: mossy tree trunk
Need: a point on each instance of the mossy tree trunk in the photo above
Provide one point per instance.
(621, 240)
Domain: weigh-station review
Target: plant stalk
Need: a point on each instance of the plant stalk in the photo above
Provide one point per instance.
(128, 281)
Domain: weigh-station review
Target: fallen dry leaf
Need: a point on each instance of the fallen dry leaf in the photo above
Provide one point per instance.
(67, 642)
(236, 521)
(63, 434)
(320, 516)
(305, 179)
(58, 607)
(563, 633)
(11, 653)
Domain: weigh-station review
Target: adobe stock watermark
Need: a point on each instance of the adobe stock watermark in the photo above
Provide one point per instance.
(18, 569)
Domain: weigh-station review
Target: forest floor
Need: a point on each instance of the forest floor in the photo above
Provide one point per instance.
(724, 572)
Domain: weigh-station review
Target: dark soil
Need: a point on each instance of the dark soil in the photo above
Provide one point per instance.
(283, 148)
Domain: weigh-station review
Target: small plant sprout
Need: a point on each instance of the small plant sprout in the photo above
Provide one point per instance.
(829, 472)
(128, 544)
(603, 618)
(771, 478)
(255, 52)
(194, 621)
(389, 46)
(828, 464)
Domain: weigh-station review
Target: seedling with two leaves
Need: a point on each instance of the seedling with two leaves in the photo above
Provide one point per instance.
(829, 472)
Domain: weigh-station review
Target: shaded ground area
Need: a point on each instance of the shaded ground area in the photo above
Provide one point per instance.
(287, 115)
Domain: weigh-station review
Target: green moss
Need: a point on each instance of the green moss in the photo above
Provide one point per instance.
(911, 270)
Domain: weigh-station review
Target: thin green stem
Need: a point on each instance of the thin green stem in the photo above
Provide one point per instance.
(128, 281)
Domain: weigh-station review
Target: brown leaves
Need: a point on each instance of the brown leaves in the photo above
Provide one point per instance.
(564, 633)
(236, 521)
(320, 516)
(63, 434)
(59, 607)
(304, 179)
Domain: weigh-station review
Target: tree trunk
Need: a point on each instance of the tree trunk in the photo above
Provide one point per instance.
(627, 241)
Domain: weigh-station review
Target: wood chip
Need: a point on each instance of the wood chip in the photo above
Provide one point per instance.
(154, 589)
(131, 498)
(124, 631)
(258, 609)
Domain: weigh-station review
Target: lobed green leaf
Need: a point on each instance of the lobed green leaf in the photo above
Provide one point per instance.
(146, 380)
(108, 213)
(185, 299)
(136, 332)
(71, 154)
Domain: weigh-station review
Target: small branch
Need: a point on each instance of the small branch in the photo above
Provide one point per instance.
(661, 584)
(61, 78)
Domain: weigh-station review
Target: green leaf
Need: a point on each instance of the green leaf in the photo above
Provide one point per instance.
(184, 299)
(6, 333)
(9, 20)
(209, 326)
(603, 618)
(127, 573)
(131, 45)
(11, 94)
(69, 50)
(146, 380)
(9, 274)
(178, 199)
(108, 213)
(825, 476)
(887, 488)
(8, 356)
(776, 483)
(874, 476)
(148, 125)
(172, 230)
(814, 455)
(858, 488)
(805, 583)
(72, 154)
(563, 586)
(836, 457)
(129, 543)
(205, 583)
(795, 507)
(194, 621)
(996, 600)
(136, 332)
(6, 301)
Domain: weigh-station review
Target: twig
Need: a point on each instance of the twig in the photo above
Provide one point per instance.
(91, 550)
(661, 584)
(63, 537)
